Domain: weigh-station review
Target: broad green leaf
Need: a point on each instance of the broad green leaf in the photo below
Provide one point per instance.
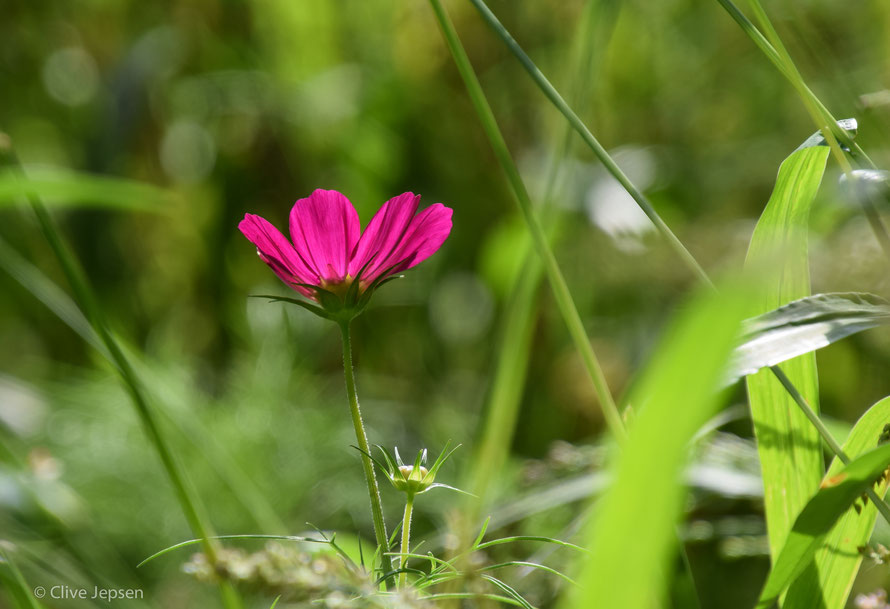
(837, 561)
(803, 326)
(790, 448)
(812, 526)
(69, 188)
(633, 532)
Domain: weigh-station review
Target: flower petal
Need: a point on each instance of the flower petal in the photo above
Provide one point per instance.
(325, 229)
(383, 235)
(423, 238)
(276, 251)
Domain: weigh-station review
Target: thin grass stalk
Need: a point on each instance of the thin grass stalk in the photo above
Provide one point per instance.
(361, 438)
(591, 141)
(188, 498)
(512, 358)
(779, 56)
(18, 581)
(836, 448)
(560, 289)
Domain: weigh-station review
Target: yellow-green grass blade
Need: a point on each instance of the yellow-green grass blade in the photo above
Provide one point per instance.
(14, 582)
(837, 495)
(62, 187)
(633, 533)
(789, 446)
(837, 561)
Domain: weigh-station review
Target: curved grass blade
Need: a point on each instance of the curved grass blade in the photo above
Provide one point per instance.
(838, 560)
(508, 590)
(530, 565)
(192, 542)
(836, 496)
(75, 189)
(51, 295)
(15, 582)
(789, 446)
(803, 326)
(473, 596)
(503, 540)
(635, 519)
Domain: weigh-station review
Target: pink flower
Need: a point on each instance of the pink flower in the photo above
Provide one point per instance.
(328, 251)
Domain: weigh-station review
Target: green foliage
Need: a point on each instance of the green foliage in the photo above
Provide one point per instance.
(60, 187)
(818, 517)
(837, 560)
(803, 326)
(790, 448)
(634, 522)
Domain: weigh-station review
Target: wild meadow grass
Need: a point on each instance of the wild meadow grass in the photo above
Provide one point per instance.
(547, 412)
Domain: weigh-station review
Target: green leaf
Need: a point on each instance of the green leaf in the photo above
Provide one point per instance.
(803, 326)
(819, 516)
(634, 532)
(790, 448)
(838, 560)
(15, 582)
(69, 188)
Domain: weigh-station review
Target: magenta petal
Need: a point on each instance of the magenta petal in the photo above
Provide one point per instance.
(383, 235)
(423, 238)
(276, 251)
(325, 229)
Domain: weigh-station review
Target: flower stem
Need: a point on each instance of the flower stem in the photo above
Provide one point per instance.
(406, 539)
(362, 439)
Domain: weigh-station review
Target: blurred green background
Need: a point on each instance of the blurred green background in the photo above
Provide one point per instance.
(244, 107)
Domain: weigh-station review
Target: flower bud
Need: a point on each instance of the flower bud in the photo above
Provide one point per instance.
(411, 479)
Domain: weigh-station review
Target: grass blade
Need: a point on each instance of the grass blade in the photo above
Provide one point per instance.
(819, 516)
(61, 187)
(15, 582)
(597, 148)
(192, 507)
(636, 517)
(803, 326)
(561, 292)
(838, 560)
(514, 350)
(789, 446)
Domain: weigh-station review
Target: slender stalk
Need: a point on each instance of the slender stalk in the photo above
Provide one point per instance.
(779, 56)
(836, 448)
(362, 438)
(406, 538)
(188, 499)
(591, 141)
(560, 289)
